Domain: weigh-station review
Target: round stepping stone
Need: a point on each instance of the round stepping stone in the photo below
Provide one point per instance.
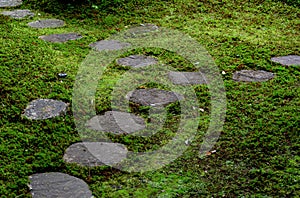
(60, 38)
(252, 76)
(95, 153)
(117, 122)
(44, 108)
(137, 61)
(153, 97)
(18, 14)
(186, 78)
(287, 60)
(47, 23)
(141, 30)
(109, 45)
(10, 3)
(55, 184)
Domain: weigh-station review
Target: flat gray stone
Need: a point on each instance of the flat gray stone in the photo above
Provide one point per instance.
(252, 76)
(153, 97)
(44, 108)
(109, 45)
(95, 153)
(137, 61)
(117, 122)
(47, 23)
(55, 184)
(141, 31)
(287, 60)
(60, 38)
(10, 3)
(18, 14)
(186, 78)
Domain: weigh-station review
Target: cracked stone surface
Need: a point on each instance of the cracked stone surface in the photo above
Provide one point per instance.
(95, 153)
(252, 76)
(109, 45)
(117, 122)
(56, 184)
(10, 3)
(60, 38)
(41, 109)
(141, 31)
(153, 97)
(18, 14)
(186, 78)
(47, 23)
(137, 61)
(287, 60)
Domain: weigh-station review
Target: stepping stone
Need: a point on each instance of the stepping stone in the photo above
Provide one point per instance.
(109, 45)
(137, 61)
(186, 78)
(95, 153)
(47, 23)
(18, 14)
(55, 184)
(44, 108)
(10, 3)
(117, 122)
(252, 76)
(287, 60)
(141, 30)
(60, 38)
(153, 97)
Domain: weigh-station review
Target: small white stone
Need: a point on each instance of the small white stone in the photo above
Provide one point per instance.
(223, 72)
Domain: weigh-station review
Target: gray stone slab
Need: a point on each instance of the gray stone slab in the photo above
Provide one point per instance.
(141, 31)
(47, 23)
(44, 108)
(95, 153)
(186, 78)
(60, 38)
(109, 45)
(137, 61)
(252, 76)
(55, 184)
(18, 14)
(10, 3)
(287, 60)
(153, 97)
(117, 122)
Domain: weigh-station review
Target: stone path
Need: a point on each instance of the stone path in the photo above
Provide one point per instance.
(117, 122)
(103, 153)
(41, 109)
(18, 14)
(141, 31)
(60, 38)
(10, 3)
(287, 60)
(252, 76)
(47, 23)
(109, 45)
(137, 61)
(55, 184)
(153, 97)
(186, 78)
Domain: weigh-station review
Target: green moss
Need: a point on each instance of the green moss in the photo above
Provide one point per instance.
(257, 152)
